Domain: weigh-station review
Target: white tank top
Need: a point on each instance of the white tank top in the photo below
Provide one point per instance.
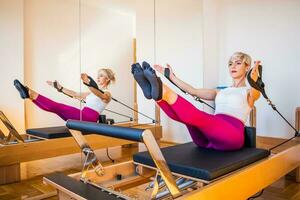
(233, 101)
(95, 103)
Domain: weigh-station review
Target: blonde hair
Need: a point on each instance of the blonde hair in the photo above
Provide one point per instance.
(109, 74)
(245, 58)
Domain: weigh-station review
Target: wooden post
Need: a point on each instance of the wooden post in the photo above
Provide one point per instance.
(135, 104)
(297, 125)
(253, 117)
(10, 173)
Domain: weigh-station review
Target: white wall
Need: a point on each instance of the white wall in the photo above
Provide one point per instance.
(145, 51)
(210, 46)
(179, 42)
(269, 31)
(11, 60)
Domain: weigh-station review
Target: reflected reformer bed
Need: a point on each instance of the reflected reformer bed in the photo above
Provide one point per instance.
(183, 171)
(16, 148)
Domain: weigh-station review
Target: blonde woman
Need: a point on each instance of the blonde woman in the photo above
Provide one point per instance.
(223, 130)
(96, 101)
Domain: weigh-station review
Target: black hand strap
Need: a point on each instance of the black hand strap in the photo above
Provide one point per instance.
(258, 84)
(55, 85)
(93, 84)
(167, 75)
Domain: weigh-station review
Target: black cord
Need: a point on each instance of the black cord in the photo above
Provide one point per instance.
(121, 122)
(153, 120)
(93, 84)
(131, 119)
(108, 110)
(107, 154)
(260, 86)
(296, 132)
(167, 75)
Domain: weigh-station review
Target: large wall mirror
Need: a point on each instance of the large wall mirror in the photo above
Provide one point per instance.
(59, 40)
(108, 36)
(52, 52)
(40, 42)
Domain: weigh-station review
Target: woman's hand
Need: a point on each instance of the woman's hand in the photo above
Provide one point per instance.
(51, 83)
(161, 69)
(255, 73)
(85, 78)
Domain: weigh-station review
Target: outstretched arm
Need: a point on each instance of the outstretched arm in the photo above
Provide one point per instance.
(207, 94)
(253, 94)
(105, 96)
(71, 93)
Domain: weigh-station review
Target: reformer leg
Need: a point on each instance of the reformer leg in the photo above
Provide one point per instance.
(91, 159)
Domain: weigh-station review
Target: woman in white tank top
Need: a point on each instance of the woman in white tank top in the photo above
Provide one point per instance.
(95, 100)
(223, 130)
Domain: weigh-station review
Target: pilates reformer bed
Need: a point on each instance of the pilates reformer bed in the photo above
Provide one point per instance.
(42, 143)
(184, 171)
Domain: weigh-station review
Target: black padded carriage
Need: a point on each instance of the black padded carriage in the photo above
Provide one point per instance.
(207, 164)
(201, 163)
(50, 132)
(60, 131)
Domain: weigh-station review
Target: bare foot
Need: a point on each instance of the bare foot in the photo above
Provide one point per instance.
(32, 94)
(169, 95)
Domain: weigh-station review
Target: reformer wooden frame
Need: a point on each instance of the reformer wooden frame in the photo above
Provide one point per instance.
(12, 155)
(250, 179)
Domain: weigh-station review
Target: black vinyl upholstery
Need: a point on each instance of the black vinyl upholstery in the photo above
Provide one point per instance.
(50, 132)
(206, 164)
(250, 137)
(85, 191)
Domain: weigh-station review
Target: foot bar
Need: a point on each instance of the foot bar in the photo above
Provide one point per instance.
(138, 135)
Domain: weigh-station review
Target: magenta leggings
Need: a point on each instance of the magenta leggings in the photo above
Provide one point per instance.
(220, 132)
(66, 112)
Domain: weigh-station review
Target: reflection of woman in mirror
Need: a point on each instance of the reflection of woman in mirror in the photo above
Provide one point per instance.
(95, 100)
(223, 130)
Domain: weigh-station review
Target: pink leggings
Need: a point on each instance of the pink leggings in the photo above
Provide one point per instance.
(220, 132)
(66, 112)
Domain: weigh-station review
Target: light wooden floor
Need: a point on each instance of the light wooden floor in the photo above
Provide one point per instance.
(283, 189)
